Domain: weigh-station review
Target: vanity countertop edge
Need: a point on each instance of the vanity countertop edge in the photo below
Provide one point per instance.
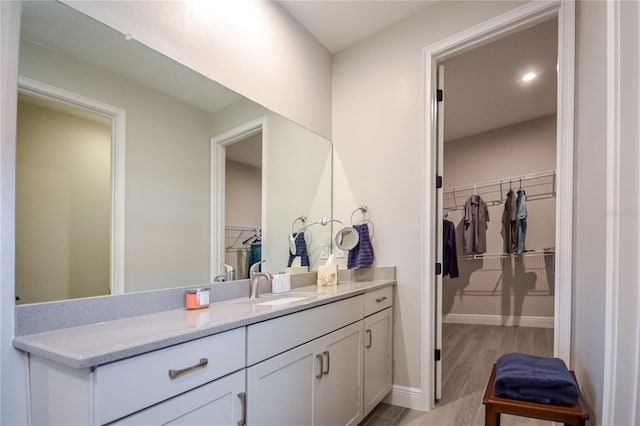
(92, 345)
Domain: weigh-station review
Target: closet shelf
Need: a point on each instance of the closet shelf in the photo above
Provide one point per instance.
(543, 252)
(536, 185)
(238, 233)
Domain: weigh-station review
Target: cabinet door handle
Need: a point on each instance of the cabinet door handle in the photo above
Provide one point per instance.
(381, 299)
(243, 404)
(319, 375)
(328, 362)
(174, 374)
(370, 338)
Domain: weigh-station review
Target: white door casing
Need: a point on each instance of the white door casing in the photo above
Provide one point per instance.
(118, 142)
(217, 185)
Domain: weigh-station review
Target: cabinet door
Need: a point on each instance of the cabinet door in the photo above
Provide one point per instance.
(339, 392)
(377, 358)
(216, 403)
(280, 389)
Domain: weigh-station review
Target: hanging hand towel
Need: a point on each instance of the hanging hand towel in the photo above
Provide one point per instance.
(361, 256)
(301, 250)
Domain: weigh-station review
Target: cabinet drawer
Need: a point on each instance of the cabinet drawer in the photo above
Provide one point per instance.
(378, 300)
(126, 386)
(275, 336)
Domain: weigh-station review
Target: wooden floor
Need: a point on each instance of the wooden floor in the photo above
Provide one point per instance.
(469, 352)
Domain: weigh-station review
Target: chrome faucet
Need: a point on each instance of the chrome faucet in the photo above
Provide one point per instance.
(255, 278)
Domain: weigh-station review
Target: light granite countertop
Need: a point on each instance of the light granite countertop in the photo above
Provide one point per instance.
(95, 344)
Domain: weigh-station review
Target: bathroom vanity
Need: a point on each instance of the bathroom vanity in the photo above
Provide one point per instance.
(327, 350)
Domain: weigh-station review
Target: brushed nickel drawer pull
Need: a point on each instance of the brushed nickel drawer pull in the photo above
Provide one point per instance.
(381, 299)
(174, 374)
(319, 375)
(328, 362)
(243, 402)
(370, 339)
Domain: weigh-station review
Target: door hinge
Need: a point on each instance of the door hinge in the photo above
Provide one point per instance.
(438, 355)
(439, 95)
(438, 182)
(438, 268)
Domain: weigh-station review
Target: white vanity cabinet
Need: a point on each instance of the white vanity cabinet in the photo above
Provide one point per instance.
(318, 383)
(314, 383)
(378, 347)
(62, 395)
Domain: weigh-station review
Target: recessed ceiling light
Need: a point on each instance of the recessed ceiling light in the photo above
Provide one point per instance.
(529, 76)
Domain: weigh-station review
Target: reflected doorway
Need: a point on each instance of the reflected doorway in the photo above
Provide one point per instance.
(63, 201)
(243, 205)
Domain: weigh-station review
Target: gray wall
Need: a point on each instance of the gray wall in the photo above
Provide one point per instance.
(522, 286)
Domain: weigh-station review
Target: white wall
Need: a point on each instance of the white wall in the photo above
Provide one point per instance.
(377, 134)
(505, 287)
(253, 47)
(166, 172)
(13, 373)
(63, 205)
(589, 230)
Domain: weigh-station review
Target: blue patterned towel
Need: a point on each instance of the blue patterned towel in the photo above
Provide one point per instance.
(361, 256)
(536, 379)
(301, 250)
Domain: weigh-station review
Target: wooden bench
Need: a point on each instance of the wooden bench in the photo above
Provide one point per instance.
(575, 415)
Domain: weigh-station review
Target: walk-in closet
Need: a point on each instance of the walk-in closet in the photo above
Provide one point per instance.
(498, 207)
(243, 207)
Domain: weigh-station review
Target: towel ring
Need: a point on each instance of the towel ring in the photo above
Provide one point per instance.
(302, 219)
(366, 219)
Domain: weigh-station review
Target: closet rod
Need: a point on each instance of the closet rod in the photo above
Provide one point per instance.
(241, 228)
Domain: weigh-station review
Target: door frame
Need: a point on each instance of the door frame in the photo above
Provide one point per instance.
(500, 26)
(219, 144)
(118, 141)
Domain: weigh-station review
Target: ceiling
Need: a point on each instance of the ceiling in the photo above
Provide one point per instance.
(484, 90)
(339, 24)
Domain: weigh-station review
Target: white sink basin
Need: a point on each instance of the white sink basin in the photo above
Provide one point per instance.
(283, 300)
(280, 299)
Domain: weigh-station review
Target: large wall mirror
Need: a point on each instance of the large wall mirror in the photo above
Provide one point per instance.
(136, 173)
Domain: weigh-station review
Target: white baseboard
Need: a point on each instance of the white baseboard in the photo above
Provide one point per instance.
(540, 322)
(407, 397)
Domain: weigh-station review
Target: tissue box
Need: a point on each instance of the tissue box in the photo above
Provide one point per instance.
(281, 283)
(327, 275)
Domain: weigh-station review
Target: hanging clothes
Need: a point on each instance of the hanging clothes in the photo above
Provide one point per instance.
(509, 228)
(449, 251)
(476, 216)
(255, 255)
(521, 223)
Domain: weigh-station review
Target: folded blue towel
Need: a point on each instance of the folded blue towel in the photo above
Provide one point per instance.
(534, 378)
(361, 256)
(301, 250)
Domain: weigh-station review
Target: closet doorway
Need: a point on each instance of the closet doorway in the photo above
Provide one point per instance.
(496, 211)
(237, 200)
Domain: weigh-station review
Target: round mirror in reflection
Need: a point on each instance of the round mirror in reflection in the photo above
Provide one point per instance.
(347, 238)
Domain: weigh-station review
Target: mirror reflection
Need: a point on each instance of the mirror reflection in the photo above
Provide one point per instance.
(136, 173)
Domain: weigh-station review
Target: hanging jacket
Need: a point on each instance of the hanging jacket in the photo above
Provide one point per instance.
(449, 251)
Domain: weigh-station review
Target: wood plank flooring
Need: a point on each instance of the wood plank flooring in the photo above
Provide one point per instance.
(469, 352)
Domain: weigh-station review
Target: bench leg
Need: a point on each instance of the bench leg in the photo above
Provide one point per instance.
(491, 418)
